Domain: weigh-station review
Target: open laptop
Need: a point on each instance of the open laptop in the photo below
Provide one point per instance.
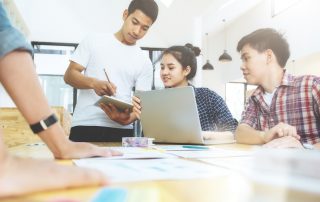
(171, 116)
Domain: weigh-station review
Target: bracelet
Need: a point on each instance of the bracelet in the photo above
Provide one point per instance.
(44, 124)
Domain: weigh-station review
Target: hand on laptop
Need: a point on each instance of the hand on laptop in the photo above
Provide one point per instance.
(136, 106)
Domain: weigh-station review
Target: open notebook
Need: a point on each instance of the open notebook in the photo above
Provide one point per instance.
(171, 116)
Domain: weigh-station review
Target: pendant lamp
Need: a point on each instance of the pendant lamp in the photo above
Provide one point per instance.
(225, 57)
(207, 66)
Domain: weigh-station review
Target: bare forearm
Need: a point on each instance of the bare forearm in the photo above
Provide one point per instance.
(246, 135)
(78, 80)
(18, 76)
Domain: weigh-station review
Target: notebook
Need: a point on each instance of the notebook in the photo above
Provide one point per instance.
(119, 104)
(171, 116)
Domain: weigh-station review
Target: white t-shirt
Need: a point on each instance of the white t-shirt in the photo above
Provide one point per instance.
(127, 66)
(268, 97)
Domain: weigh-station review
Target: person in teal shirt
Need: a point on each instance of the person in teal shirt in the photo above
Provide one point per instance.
(18, 175)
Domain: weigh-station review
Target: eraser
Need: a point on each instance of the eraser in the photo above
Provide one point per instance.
(137, 141)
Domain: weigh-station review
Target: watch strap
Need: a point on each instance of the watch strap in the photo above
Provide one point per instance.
(44, 124)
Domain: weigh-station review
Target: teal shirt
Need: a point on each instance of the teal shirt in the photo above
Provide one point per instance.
(10, 38)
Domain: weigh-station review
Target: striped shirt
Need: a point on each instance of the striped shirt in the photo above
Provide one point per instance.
(213, 112)
(295, 102)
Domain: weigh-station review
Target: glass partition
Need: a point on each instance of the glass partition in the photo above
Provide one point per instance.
(237, 94)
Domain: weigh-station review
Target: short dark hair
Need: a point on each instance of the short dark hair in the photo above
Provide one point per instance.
(267, 38)
(186, 56)
(148, 7)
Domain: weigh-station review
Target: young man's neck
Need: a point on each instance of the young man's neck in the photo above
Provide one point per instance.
(273, 80)
(120, 38)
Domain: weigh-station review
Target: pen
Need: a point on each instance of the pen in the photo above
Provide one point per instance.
(195, 147)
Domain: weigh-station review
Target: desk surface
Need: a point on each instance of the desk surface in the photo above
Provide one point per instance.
(234, 187)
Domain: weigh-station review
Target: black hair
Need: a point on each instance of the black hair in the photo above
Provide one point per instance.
(186, 56)
(267, 38)
(148, 7)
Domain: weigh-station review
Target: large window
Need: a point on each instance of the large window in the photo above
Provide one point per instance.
(154, 55)
(237, 94)
(52, 60)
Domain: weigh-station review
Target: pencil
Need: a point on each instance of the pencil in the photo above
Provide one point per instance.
(105, 72)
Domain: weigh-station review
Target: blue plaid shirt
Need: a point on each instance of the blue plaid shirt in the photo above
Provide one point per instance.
(213, 111)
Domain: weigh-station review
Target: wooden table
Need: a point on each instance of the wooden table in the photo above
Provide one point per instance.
(235, 187)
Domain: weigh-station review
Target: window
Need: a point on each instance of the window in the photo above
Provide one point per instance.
(154, 55)
(51, 61)
(237, 94)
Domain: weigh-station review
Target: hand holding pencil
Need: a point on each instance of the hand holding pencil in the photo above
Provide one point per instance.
(104, 87)
(111, 87)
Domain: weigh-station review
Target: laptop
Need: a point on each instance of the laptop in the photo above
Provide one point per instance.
(171, 116)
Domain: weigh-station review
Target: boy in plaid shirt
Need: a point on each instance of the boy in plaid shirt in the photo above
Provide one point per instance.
(284, 110)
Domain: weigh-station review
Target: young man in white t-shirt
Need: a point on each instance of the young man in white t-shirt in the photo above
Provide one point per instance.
(126, 66)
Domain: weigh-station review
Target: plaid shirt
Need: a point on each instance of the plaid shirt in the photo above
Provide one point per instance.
(296, 102)
(213, 112)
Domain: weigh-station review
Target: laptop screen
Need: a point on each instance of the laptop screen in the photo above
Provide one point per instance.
(170, 115)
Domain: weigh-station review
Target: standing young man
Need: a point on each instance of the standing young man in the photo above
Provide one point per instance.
(284, 110)
(126, 66)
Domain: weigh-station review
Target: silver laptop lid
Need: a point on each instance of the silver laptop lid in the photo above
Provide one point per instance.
(171, 115)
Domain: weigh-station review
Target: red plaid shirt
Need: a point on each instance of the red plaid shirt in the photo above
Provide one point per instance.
(295, 102)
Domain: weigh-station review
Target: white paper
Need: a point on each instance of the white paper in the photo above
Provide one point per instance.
(138, 153)
(235, 163)
(174, 148)
(211, 153)
(294, 168)
(151, 169)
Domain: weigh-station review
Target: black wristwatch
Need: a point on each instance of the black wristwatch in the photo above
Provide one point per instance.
(44, 124)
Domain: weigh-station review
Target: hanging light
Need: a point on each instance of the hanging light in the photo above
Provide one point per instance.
(207, 66)
(225, 57)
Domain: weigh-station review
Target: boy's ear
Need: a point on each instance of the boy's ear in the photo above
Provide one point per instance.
(270, 55)
(125, 14)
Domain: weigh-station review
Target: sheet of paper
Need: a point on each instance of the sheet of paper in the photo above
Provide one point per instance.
(173, 148)
(139, 153)
(294, 168)
(235, 163)
(152, 169)
(211, 153)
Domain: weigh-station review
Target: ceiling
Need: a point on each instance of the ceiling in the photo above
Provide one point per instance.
(71, 20)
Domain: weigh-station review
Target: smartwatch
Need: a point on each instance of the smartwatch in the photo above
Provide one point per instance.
(44, 124)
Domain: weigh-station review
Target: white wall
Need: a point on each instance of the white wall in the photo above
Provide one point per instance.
(71, 21)
(300, 23)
